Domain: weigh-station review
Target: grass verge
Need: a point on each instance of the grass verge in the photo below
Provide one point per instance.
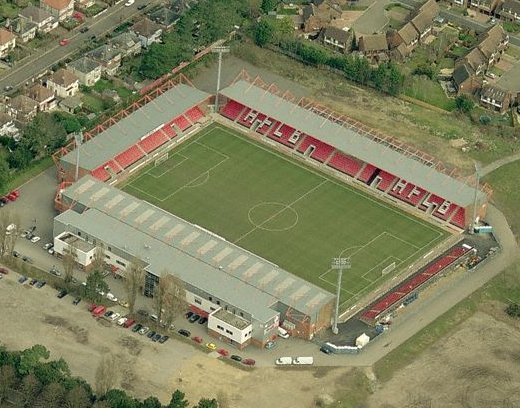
(24, 176)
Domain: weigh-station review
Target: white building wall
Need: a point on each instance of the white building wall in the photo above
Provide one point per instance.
(201, 303)
(228, 331)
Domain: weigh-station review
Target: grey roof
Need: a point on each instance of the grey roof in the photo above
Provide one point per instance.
(461, 73)
(351, 142)
(136, 126)
(199, 257)
(84, 64)
(35, 14)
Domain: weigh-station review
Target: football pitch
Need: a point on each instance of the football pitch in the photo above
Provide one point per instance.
(284, 211)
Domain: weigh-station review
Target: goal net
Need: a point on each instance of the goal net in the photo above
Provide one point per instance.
(161, 159)
(388, 269)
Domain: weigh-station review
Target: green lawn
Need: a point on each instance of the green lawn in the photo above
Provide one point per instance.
(428, 91)
(287, 213)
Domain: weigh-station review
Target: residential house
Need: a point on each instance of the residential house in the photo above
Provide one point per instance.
(494, 98)
(374, 47)
(127, 43)
(476, 60)
(43, 96)
(7, 42)
(147, 31)
(44, 20)
(319, 14)
(22, 108)
(60, 9)
(404, 41)
(465, 80)
(492, 44)
(424, 18)
(86, 69)
(459, 3)
(71, 104)
(165, 16)
(509, 10)
(484, 6)
(85, 4)
(25, 29)
(8, 127)
(63, 83)
(337, 39)
(108, 57)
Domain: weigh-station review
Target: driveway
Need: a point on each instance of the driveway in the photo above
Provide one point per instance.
(510, 80)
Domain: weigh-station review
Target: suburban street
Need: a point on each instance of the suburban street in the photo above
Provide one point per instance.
(45, 58)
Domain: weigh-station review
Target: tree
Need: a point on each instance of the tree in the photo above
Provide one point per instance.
(264, 32)
(151, 402)
(134, 280)
(513, 310)
(52, 396)
(98, 262)
(7, 381)
(43, 135)
(4, 171)
(169, 297)
(30, 389)
(178, 400)
(207, 403)
(464, 104)
(31, 357)
(106, 374)
(69, 258)
(95, 285)
(119, 399)
(77, 397)
(268, 5)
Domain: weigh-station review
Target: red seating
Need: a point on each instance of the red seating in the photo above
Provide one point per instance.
(152, 142)
(409, 286)
(459, 218)
(367, 172)
(232, 109)
(416, 195)
(432, 199)
(100, 173)
(247, 117)
(345, 164)
(387, 180)
(168, 130)
(321, 152)
(446, 215)
(129, 156)
(194, 114)
(113, 166)
(403, 192)
(266, 125)
(181, 122)
(282, 133)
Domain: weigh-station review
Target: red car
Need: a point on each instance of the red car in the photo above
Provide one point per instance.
(223, 352)
(197, 339)
(13, 195)
(4, 271)
(248, 361)
(64, 41)
(91, 307)
(99, 311)
(128, 323)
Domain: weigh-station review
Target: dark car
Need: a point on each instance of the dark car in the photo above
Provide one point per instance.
(236, 358)
(33, 282)
(62, 293)
(40, 284)
(27, 259)
(4, 271)
(76, 301)
(326, 350)
(188, 315)
(142, 312)
(16, 254)
(108, 313)
(203, 320)
(141, 6)
(194, 318)
(157, 337)
(83, 29)
(184, 333)
(137, 327)
(164, 339)
(151, 334)
(22, 279)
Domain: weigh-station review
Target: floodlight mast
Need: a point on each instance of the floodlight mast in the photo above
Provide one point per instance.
(219, 49)
(338, 264)
(78, 138)
(475, 199)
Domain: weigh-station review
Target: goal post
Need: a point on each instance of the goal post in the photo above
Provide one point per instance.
(388, 269)
(161, 159)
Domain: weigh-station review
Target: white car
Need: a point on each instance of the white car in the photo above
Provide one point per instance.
(115, 316)
(111, 297)
(10, 228)
(35, 239)
(48, 246)
(122, 321)
(129, 3)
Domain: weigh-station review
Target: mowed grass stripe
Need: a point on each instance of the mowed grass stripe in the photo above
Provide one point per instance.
(277, 208)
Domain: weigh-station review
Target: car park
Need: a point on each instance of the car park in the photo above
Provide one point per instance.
(203, 320)
(137, 327)
(194, 318)
(22, 279)
(163, 339)
(151, 334)
(144, 330)
(3, 271)
(184, 333)
(248, 362)
(197, 339)
(211, 346)
(157, 337)
(40, 284)
(76, 301)
(236, 358)
(62, 293)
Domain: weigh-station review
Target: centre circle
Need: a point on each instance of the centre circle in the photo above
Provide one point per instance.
(273, 216)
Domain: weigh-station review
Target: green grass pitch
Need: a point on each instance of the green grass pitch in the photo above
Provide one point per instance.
(284, 211)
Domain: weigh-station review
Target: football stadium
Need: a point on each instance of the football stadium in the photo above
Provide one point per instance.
(249, 202)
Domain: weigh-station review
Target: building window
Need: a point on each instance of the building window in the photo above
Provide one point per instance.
(220, 327)
(218, 302)
(241, 314)
(212, 309)
(107, 256)
(120, 263)
(229, 332)
(210, 299)
(197, 301)
(109, 248)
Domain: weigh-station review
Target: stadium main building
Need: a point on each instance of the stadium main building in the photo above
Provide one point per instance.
(244, 296)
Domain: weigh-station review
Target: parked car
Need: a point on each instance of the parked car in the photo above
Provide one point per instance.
(55, 271)
(184, 333)
(151, 334)
(40, 284)
(48, 246)
(223, 352)
(248, 361)
(163, 339)
(27, 259)
(211, 346)
(76, 301)
(124, 303)
(62, 293)
(137, 327)
(197, 339)
(4, 271)
(22, 279)
(325, 349)
(203, 320)
(16, 254)
(270, 345)
(122, 321)
(91, 307)
(129, 323)
(35, 239)
(108, 314)
(111, 297)
(157, 337)
(33, 282)
(83, 29)
(236, 358)
(51, 251)
(153, 317)
(141, 6)
(129, 3)
(142, 312)
(64, 41)
(24, 233)
(194, 318)
(99, 311)
(188, 314)
(114, 317)
(144, 330)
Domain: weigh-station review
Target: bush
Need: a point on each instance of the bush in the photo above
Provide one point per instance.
(424, 69)
(464, 104)
(513, 310)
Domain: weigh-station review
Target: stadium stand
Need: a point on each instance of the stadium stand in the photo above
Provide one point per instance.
(168, 131)
(445, 210)
(232, 110)
(432, 200)
(390, 299)
(265, 126)
(459, 218)
(181, 122)
(129, 156)
(153, 141)
(100, 173)
(415, 196)
(367, 173)
(315, 148)
(345, 164)
(194, 114)
(386, 180)
(247, 118)
(283, 134)
(112, 164)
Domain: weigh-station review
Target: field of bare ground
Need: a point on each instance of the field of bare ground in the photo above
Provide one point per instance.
(427, 130)
(475, 367)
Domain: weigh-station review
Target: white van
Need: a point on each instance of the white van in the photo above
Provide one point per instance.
(284, 361)
(303, 360)
(283, 333)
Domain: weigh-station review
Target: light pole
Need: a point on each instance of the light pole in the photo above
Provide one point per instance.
(475, 198)
(338, 264)
(78, 137)
(220, 49)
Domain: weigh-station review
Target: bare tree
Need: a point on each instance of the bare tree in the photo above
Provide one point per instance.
(134, 280)
(169, 297)
(77, 397)
(30, 389)
(98, 262)
(7, 381)
(8, 238)
(69, 258)
(106, 374)
(52, 396)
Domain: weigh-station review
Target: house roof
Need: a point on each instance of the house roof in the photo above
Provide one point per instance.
(84, 65)
(491, 39)
(6, 36)
(376, 42)
(342, 36)
(40, 93)
(35, 14)
(23, 104)
(493, 92)
(63, 77)
(71, 102)
(510, 6)
(308, 11)
(408, 33)
(425, 15)
(475, 58)
(23, 26)
(125, 40)
(58, 4)
(485, 3)
(5, 118)
(104, 53)
(461, 73)
(146, 27)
